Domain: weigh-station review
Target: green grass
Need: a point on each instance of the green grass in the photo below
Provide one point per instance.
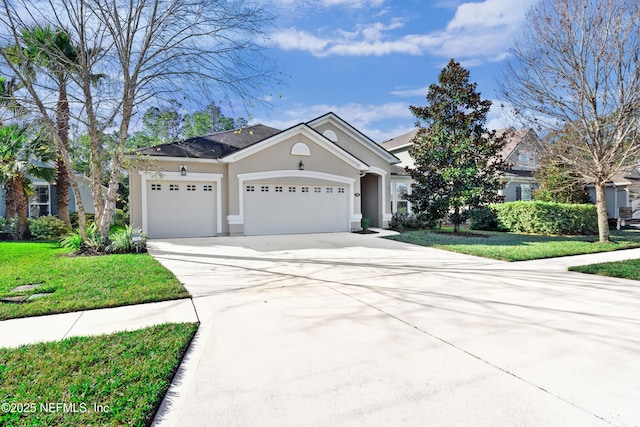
(126, 374)
(625, 269)
(80, 283)
(521, 247)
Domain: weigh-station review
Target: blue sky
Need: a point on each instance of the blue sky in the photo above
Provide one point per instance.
(368, 60)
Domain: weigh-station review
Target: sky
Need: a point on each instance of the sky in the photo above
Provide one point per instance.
(369, 60)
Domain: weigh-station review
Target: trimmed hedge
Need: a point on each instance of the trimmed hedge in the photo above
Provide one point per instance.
(547, 217)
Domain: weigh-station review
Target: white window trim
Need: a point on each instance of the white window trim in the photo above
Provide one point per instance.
(254, 176)
(175, 176)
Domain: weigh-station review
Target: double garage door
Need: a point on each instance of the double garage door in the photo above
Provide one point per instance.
(285, 208)
(181, 209)
(188, 209)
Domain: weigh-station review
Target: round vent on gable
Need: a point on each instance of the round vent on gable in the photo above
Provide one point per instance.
(330, 135)
(300, 149)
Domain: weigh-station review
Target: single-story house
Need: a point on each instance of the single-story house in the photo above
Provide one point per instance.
(521, 152)
(44, 200)
(320, 176)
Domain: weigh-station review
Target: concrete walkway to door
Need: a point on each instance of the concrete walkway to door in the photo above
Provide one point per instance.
(346, 329)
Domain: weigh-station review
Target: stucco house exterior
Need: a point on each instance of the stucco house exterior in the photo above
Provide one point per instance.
(319, 176)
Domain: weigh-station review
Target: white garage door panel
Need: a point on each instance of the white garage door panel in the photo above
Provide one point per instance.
(181, 209)
(274, 208)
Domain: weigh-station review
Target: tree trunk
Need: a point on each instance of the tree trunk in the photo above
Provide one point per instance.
(601, 206)
(456, 220)
(62, 173)
(10, 201)
(22, 227)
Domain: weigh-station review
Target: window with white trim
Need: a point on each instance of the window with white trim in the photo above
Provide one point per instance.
(305, 189)
(264, 188)
(329, 189)
(207, 187)
(341, 190)
(278, 189)
(292, 189)
(156, 187)
(191, 187)
(174, 187)
(317, 190)
(251, 188)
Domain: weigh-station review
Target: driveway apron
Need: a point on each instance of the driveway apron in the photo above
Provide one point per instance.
(346, 329)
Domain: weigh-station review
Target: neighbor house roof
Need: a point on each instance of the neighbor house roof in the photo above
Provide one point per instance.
(399, 141)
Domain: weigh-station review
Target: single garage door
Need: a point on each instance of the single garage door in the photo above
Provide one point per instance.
(285, 208)
(181, 209)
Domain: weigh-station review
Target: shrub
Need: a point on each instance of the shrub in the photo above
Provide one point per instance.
(93, 244)
(484, 218)
(547, 217)
(121, 217)
(365, 223)
(74, 219)
(48, 228)
(401, 221)
(8, 228)
(128, 240)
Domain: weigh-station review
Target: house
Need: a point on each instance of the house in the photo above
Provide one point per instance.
(521, 152)
(319, 176)
(44, 200)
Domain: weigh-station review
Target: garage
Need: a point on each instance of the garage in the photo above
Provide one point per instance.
(294, 207)
(181, 209)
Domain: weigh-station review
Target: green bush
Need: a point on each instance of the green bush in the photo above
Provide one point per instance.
(8, 228)
(547, 217)
(74, 219)
(128, 240)
(48, 228)
(365, 223)
(93, 244)
(402, 221)
(484, 218)
(121, 217)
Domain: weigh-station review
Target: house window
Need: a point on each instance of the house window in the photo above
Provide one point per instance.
(292, 189)
(278, 189)
(341, 190)
(39, 202)
(251, 188)
(156, 187)
(523, 192)
(174, 187)
(526, 159)
(400, 198)
(305, 189)
(207, 187)
(264, 188)
(317, 189)
(329, 189)
(191, 187)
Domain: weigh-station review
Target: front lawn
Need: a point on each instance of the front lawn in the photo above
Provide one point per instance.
(109, 380)
(79, 283)
(625, 269)
(519, 246)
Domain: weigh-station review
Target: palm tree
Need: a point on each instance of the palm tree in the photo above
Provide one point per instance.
(17, 150)
(53, 50)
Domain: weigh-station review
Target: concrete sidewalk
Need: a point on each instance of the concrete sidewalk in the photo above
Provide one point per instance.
(55, 327)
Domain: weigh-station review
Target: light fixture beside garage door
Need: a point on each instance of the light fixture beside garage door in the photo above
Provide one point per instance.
(183, 170)
(301, 165)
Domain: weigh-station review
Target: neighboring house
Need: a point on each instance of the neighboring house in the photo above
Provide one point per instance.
(44, 200)
(633, 176)
(319, 176)
(521, 152)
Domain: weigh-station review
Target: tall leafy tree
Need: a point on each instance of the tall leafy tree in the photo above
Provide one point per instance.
(457, 163)
(53, 51)
(574, 73)
(18, 149)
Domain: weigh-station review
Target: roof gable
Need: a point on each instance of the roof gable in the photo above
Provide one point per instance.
(355, 134)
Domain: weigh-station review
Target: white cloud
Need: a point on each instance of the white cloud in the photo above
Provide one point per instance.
(349, 4)
(478, 32)
(410, 93)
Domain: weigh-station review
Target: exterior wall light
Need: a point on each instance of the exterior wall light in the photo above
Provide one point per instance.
(183, 170)
(301, 166)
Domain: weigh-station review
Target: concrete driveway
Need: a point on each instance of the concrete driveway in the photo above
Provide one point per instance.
(346, 329)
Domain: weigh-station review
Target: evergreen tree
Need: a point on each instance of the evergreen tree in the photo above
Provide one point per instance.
(457, 163)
